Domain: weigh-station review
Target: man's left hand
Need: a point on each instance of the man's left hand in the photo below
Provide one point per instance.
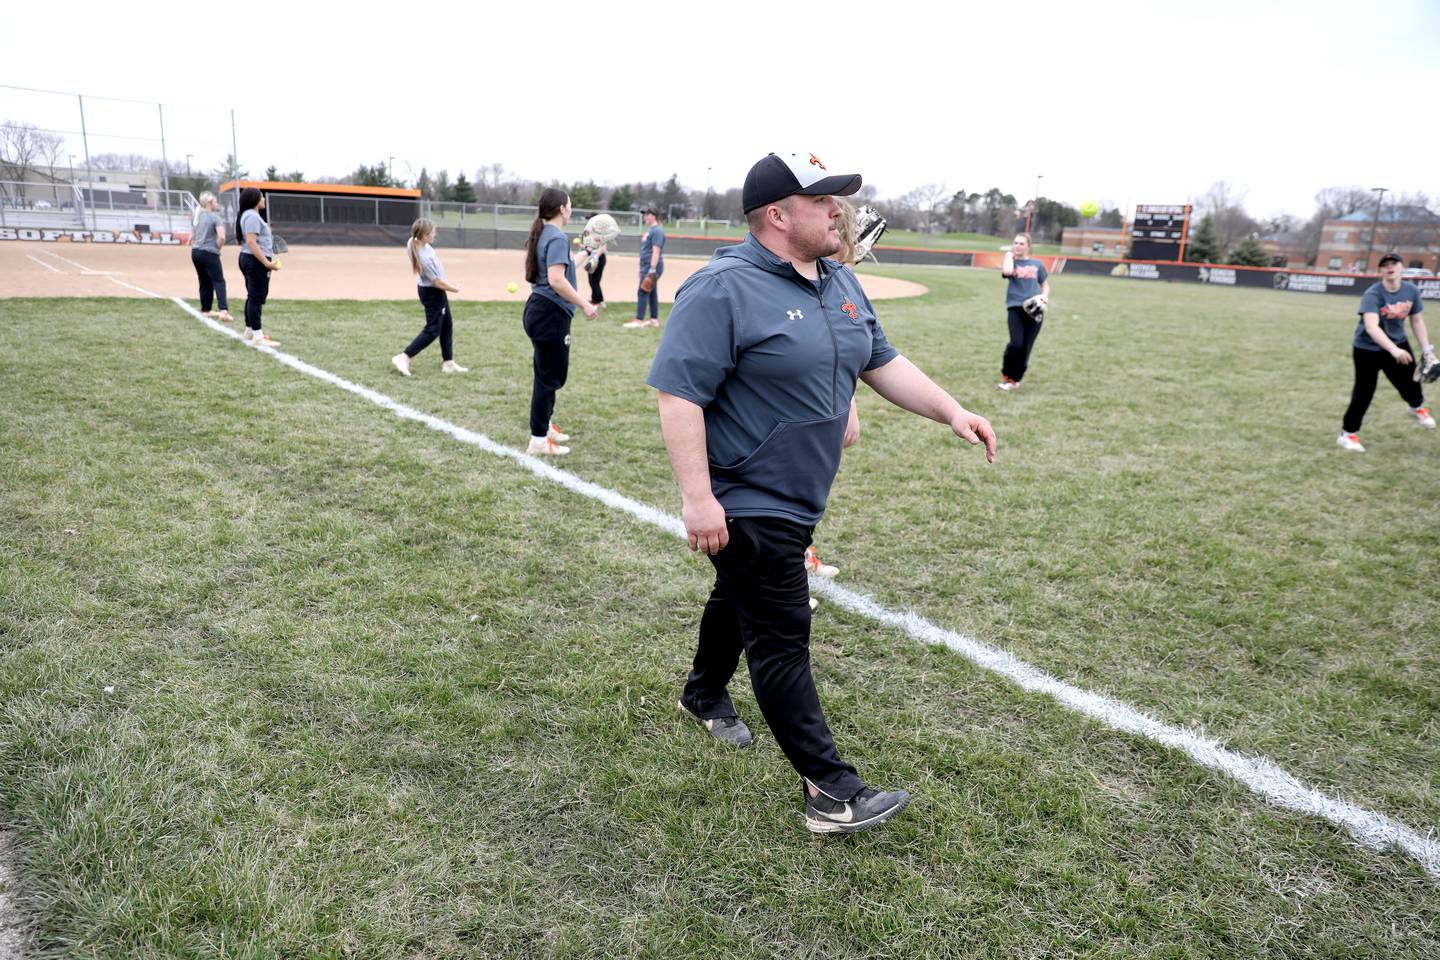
(975, 429)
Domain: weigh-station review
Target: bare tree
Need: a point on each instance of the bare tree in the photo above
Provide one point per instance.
(926, 201)
(1331, 203)
(1416, 224)
(19, 148)
(1225, 202)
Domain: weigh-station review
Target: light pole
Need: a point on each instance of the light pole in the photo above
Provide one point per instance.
(1374, 224)
(390, 171)
(187, 163)
(705, 206)
(1030, 214)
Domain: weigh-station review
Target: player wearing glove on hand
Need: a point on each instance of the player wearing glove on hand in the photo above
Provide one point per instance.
(1380, 346)
(652, 266)
(1026, 298)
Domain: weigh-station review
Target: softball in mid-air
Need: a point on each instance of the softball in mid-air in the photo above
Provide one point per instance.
(1089, 208)
(511, 287)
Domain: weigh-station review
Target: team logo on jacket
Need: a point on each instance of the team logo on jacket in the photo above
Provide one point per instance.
(850, 310)
(795, 314)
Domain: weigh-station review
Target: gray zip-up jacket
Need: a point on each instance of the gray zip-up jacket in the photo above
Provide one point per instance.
(772, 357)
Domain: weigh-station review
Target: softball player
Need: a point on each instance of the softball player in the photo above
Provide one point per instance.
(553, 298)
(1028, 278)
(207, 237)
(433, 289)
(257, 262)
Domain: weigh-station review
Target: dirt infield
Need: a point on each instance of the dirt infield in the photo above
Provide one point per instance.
(35, 269)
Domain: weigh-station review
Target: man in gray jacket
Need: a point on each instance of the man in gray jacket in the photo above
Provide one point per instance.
(755, 370)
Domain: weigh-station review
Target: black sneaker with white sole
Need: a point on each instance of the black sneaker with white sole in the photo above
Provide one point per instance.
(868, 808)
(730, 730)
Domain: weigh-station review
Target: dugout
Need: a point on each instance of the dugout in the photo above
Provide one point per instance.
(331, 212)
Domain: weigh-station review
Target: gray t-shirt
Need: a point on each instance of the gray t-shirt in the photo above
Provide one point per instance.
(551, 247)
(430, 269)
(1025, 281)
(252, 222)
(1392, 308)
(206, 236)
(772, 359)
(654, 237)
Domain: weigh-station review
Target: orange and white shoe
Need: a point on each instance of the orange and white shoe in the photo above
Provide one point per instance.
(1349, 441)
(1006, 385)
(1422, 417)
(557, 434)
(545, 447)
(262, 339)
(635, 324)
(814, 565)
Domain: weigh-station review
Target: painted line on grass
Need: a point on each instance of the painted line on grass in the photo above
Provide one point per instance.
(1263, 776)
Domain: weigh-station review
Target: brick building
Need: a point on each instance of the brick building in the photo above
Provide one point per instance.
(1346, 244)
(1093, 242)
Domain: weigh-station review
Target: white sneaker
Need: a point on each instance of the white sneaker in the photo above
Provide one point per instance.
(1422, 417)
(450, 366)
(635, 324)
(814, 603)
(1349, 441)
(653, 322)
(815, 565)
(545, 447)
(262, 339)
(556, 434)
(402, 363)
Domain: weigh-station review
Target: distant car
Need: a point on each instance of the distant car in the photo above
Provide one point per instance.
(1416, 272)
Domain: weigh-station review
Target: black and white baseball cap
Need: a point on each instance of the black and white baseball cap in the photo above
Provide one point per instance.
(782, 175)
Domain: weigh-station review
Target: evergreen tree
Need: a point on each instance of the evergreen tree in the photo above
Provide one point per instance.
(230, 170)
(294, 176)
(1204, 245)
(462, 192)
(673, 195)
(585, 196)
(443, 186)
(623, 198)
(272, 173)
(1111, 217)
(1249, 253)
(423, 184)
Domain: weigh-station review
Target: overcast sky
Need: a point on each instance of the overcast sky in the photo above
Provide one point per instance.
(1117, 102)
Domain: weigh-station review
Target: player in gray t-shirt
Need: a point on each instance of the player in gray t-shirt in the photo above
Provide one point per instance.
(257, 262)
(1380, 346)
(432, 287)
(207, 236)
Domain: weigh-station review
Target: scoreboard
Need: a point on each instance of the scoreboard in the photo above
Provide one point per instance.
(1158, 232)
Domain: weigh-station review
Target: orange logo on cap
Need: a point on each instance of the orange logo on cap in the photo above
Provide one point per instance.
(816, 160)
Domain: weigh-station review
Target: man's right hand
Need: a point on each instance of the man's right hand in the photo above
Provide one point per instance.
(1402, 357)
(705, 525)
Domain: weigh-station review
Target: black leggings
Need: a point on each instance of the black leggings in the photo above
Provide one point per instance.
(1023, 332)
(257, 288)
(439, 322)
(596, 296)
(212, 279)
(1368, 366)
(547, 324)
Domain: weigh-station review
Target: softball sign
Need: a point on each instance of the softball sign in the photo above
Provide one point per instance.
(90, 236)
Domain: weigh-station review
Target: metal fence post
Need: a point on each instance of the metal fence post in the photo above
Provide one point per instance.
(377, 213)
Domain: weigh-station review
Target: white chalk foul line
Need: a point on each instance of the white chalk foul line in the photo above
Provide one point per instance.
(52, 269)
(1262, 776)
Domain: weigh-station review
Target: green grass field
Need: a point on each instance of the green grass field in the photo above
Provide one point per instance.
(377, 693)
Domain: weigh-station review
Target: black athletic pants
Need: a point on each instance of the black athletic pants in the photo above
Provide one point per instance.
(761, 605)
(547, 324)
(438, 323)
(1368, 366)
(257, 288)
(596, 296)
(212, 279)
(1023, 331)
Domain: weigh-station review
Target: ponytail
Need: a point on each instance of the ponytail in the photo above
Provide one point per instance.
(551, 200)
(418, 229)
(249, 200)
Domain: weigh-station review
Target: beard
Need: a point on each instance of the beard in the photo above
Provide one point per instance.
(823, 244)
